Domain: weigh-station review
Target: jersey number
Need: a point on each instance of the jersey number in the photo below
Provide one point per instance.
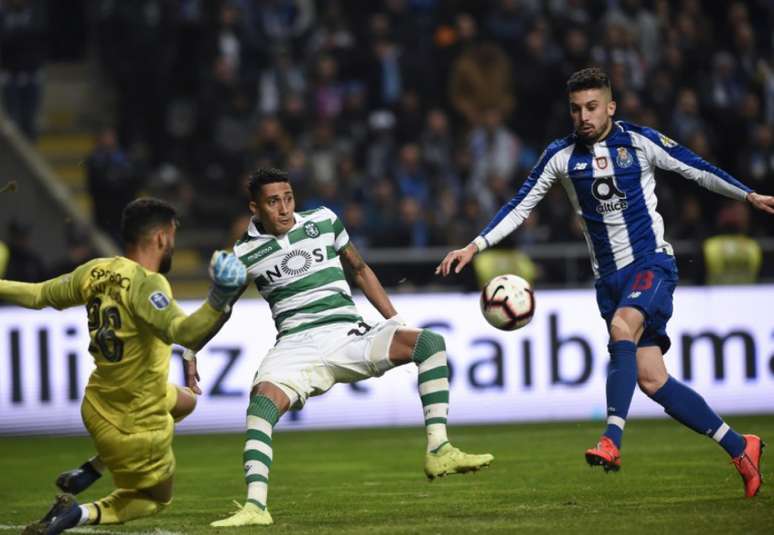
(643, 281)
(105, 321)
(362, 328)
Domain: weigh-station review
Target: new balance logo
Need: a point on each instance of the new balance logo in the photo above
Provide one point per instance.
(634, 295)
(580, 166)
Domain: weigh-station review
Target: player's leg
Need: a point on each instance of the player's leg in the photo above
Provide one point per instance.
(626, 327)
(79, 479)
(142, 465)
(268, 402)
(428, 351)
(690, 409)
(181, 402)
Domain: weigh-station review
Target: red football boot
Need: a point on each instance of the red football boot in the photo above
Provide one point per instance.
(605, 454)
(748, 464)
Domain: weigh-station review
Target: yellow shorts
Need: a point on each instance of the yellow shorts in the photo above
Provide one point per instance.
(136, 460)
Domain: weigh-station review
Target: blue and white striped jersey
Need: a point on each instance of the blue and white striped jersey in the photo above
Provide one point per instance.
(611, 186)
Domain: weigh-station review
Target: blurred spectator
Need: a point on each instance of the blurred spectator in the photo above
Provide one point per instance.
(500, 261)
(437, 144)
(24, 263)
(423, 99)
(759, 158)
(495, 151)
(327, 92)
(382, 213)
(355, 222)
(4, 254)
(23, 26)
(410, 177)
(111, 180)
(507, 23)
(732, 257)
(272, 142)
(644, 26)
(481, 80)
(537, 79)
(686, 119)
(410, 119)
(283, 78)
(79, 250)
(381, 148)
(384, 74)
(412, 229)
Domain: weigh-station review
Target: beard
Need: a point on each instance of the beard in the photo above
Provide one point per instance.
(166, 261)
(593, 135)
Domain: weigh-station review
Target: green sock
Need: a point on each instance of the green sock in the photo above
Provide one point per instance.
(262, 415)
(430, 357)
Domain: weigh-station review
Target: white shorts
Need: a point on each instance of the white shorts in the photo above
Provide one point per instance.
(309, 363)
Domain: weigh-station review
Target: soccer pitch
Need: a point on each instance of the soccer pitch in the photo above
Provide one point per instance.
(371, 481)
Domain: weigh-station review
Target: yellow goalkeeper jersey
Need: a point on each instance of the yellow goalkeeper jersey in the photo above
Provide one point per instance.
(133, 320)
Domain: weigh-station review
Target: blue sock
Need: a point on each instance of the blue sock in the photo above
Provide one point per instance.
(621, 380)
(687, 407)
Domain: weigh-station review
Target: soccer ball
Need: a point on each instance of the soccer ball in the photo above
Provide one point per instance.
(507, 302)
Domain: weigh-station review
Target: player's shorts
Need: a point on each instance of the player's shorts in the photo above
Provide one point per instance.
(646, 284)
(136, 460)
(310, 362)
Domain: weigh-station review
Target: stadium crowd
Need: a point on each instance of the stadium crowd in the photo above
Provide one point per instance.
(415, 120)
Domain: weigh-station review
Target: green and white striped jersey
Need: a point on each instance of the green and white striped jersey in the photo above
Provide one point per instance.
(299, 273)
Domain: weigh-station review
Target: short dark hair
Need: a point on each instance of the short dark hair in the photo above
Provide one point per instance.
(263, 176)
(143, 215)
(589, 78)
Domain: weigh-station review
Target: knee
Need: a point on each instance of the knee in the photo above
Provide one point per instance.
(619, 330)
(651, 383)
(185, 404)
(274, 394)
(428, 344)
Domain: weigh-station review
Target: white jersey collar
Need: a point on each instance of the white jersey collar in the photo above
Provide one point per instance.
(253, 229)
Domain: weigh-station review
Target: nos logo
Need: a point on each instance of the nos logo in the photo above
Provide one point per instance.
(610, 197)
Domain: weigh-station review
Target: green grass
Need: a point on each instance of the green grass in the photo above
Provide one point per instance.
(371, 481)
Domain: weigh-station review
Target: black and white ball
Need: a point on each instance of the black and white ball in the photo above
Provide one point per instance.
(508, 302)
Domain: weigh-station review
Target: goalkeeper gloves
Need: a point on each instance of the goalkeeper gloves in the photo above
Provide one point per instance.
(228, 275)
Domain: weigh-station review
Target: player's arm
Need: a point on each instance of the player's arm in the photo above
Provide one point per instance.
(154, 304)
(60, 292)
(667, 154)
(510, 216)
(365, 279)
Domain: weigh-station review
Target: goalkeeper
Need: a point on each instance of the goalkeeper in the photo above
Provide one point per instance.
(132, 321)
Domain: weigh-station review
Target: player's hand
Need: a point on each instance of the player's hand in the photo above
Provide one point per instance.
(761, 202)
(461, 256)
(228, 275)
(226, 270)
(191, 373)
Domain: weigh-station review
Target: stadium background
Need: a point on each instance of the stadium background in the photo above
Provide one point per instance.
(414, 120)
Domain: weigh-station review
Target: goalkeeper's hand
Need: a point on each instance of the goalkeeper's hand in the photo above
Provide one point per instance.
(228, 275)
(191, 372)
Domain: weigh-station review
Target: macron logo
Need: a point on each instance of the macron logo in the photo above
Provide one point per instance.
(580, 166)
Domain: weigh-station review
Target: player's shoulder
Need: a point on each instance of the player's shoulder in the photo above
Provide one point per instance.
(150, 281)
(648, 133)
(321, 212)
(553, 149)
(558, 145)
(245, 238)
